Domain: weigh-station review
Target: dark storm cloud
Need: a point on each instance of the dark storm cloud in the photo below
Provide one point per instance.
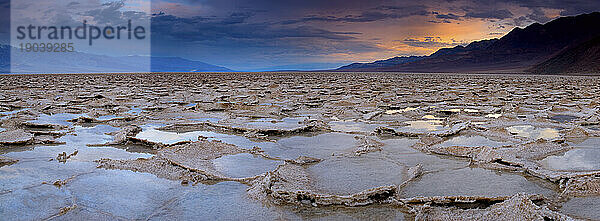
(449, 16)
(374, 14)
(567, 7)
(245, 45)
(212, 29)
(538, 16)
(427, 42)
(439, 21)
(489, 14)
(237, 17)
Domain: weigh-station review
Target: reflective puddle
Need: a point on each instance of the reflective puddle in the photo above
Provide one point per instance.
(496, 116)
(56, 119)
(352, 175)
(473, 182)
(582, 207)
(244, 165)
(583, 158)
(269, 123)
(574, 160)
(424, 126)
(563, 118)
(532, 132)
(320, 146)
(150, 133)
(353, 126)
(401, 110)
(472, 141)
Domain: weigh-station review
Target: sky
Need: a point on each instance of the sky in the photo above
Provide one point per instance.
(258, 35)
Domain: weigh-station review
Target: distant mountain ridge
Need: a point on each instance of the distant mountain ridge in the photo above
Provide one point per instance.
(78, 62)
(177, 64)
(517, 51)
(382, 63)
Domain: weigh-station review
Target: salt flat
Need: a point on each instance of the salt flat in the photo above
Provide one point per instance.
(298, 146)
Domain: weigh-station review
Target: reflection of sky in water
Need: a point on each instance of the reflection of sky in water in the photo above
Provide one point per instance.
(353, 126)
(458, 110)
(243, 165)
(7, 114)
(563, 118)
(472, 181)
(89, 135)
(592, 142)
(320, 146)
(56, 119)
(401, 110)
(584, 159)
(427, 125)
(431, 117)
(207, 119)
(12, 112)
(107, 117)
(150, 133)
(582, 207)
(134, 111)
(354, 174)
(78, 140)
(493, 115)
(270, 123)
(533, 132)
(472, 141)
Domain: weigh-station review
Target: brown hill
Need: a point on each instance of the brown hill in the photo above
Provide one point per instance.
(581, 59)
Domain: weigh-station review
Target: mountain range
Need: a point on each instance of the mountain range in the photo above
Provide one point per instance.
(551, 48)
(79, 62)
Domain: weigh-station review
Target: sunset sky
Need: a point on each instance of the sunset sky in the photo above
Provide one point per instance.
(253, 35)
(262, 35)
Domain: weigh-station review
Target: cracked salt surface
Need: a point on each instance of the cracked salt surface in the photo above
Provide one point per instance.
(461, 148)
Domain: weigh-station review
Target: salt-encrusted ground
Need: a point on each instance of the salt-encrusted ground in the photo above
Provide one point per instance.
(299, 146)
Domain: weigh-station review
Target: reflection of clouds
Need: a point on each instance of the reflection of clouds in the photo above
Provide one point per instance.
(575, 160)
(472, 141)
(532, 132)
(243, 165)
(401, 110)
(592, 142)
(353, 126)
(150, 133)
(269, 123)
(158, 136)
(429, 125)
